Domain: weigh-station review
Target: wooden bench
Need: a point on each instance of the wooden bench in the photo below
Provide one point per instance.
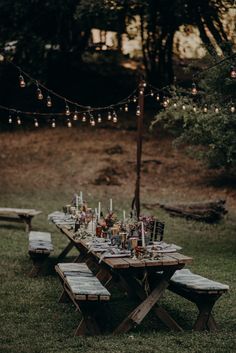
(18, 215)
(201, 291)
(40, 247)
(87, 294)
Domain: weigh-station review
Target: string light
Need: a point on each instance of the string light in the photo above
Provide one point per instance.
(69, 124)
(158, 97)
(99, 118)
(126, 108)
(109, 116)
(49, 102)
(84, 118)
(135, 99)
(53, 124)
(75, 115)
(92, 121)
(18, 120)
(205, 109)
(36, 124)
(165, 102)
(39, 94)
(138, 111)
(232, 108)
(184, 107)
(67, 110)
(114, 117)
(175, 106)
(22, 81)
(217, 110)
(194, 89)
(10, 119)
(151, 93)
(194, 109)
(233, 72)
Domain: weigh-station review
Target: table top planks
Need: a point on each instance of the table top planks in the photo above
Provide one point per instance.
(18, 211)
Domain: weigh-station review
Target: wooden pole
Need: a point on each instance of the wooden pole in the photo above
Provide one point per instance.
(140, 115)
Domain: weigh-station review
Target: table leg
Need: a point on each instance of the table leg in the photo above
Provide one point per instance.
(65, 251)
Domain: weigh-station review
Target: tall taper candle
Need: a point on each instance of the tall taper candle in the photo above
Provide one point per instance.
(110, 205)
(143, 235)
(99, 210)
(124, 215)
(81, 196)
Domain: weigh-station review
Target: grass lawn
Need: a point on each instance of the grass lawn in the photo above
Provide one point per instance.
(32, 321)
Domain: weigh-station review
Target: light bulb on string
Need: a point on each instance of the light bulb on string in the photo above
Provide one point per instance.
(183, 107)
(205, 109)
(75, 115)
(39, 94)
(232, 109)
(84, 118)
(175, 105)
(135, 99)
(141, 91)
(67, 110)
(53, 123)
(69, 124)
(194, 89)
(99, 118)
(233, 72)
(36, 124)
(217, 110)
(158, 97)
(126, 108)
(18, 120)
(114, 117)
(49, 102)
(151, 93)
(165, 102)
(22, 81)
(109, 116)
(138, 111)
(194, 108)
(92, 121)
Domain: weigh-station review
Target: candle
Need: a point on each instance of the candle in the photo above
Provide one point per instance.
(143, 236)
(124, 215)
(81, 197)
(96, 213)
(110, 205)
(76, 201)
(99, 210)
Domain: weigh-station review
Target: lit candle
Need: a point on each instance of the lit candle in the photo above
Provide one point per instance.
(143, 236)
(81, 196)
(124, 215)
(110, 205)
(99, 210)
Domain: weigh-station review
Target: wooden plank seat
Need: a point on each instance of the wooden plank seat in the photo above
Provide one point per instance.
(40, 247)
(18, 215)
(201, 291)
(86, 292)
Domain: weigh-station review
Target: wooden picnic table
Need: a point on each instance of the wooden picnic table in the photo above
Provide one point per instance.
(21, 215)
(138, 277)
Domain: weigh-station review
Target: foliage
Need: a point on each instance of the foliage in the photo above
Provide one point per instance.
(215, 132)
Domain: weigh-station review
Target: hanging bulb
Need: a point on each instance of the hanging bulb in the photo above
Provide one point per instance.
(141, 91)
(138, 111)
(165, 102)
(114, 117)
(194, 109)
(53, 123)
(184, 107)
(135, 99)
(233, 72)
(144, 84)
(10, 119)
(126, 108)
(205, 109)
(84, 118)
(99, 118)
(36, 124)
(49, 102)
(92, 121)
(39, 94)
(151, 93)
(175, 105)
(69, 124)
(217, 110)
(109, 117)
(232, 109)
(18, 120)
(158, 97)
(22, 81)
(194, 89)
(75, 115)
(67, 110)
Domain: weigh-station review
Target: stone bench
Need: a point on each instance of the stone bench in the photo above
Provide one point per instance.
(201, 291)
(40, 247)
(18, 215)
(86, 292)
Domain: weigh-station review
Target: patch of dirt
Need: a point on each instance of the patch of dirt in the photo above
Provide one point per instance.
(76, 159)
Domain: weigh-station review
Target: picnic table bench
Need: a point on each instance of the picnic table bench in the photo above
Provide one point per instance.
(201, 291)
(86, 292)
(18, 215)
(40, 247)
